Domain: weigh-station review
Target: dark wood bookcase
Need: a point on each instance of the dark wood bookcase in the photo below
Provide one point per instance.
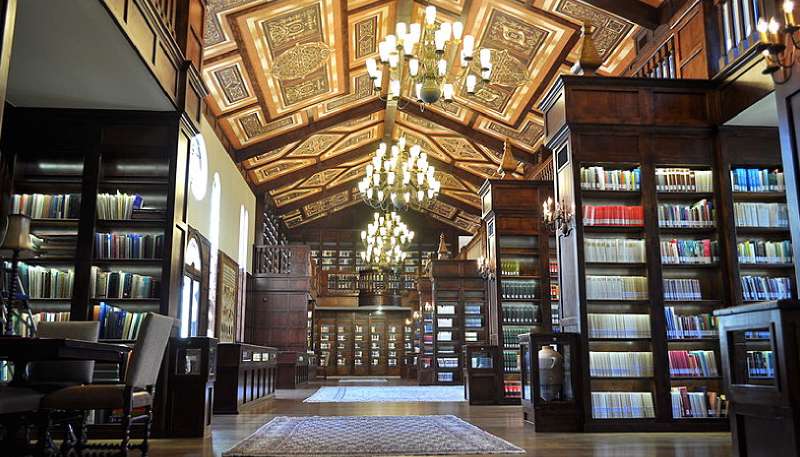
(648, 127)
(91, 152)
(361, 341)
(457, 316)
(518, 253)
(751, 148)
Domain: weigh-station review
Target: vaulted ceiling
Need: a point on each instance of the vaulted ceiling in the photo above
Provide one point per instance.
(291, 93)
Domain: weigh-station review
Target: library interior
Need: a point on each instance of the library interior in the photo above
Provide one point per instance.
(457, 228)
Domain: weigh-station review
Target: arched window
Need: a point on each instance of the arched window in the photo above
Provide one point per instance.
(198, 167)
(213, 232)
(190, 295)
(244, 232)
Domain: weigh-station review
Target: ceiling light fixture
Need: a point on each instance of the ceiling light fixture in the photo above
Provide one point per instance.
(384, 240)
(430, 51)
(397, 176)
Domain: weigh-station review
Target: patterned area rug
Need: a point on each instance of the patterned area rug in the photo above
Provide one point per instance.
(365, 380)
(386, 394)
(339, 436)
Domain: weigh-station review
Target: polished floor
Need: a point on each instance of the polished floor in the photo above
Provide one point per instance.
(503, 421)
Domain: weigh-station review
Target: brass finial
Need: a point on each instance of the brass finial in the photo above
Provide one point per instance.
(508, 164)
(589, 59)
(443, 252)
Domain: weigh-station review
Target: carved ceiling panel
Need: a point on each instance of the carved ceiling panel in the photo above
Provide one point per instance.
(276, 69)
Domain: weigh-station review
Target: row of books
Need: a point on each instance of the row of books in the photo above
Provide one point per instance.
(614, 250)
(120, 284)
(515, 267)
(598, 178)
(128, 246)
(687, 404)
(519, 289)
(689, 252)
(510, 361)
(697, 215)
(620, 364)
(19, 328)
(760, 364)
(684, 180)
(619, 325)
(519, 314)
(45, 206)
(761, 214)
(757, 180)
(56, 243)
(764, 288)
(616, 287)
(45, 282)
(682, 289)
(690, 326)
(766, 252)
(613, 215)
(622, 405)
(117, 323)
(693, 364)
(117, 205)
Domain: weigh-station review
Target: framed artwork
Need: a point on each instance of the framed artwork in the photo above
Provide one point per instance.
(227, 298)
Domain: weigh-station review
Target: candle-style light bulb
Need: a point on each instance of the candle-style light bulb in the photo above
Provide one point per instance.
(430, 14)
(458, 30)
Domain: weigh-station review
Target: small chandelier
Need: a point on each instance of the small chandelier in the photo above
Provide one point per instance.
(397, 175)
(557, 217)
(430, 50)
(384, 240)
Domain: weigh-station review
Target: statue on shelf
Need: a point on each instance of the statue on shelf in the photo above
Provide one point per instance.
(551, 373)
(443, 253)
(589, 60)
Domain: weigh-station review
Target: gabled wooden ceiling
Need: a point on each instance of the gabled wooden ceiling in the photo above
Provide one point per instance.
(291, 94)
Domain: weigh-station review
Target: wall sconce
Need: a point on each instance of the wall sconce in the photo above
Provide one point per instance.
(557, 217)
(486, 269)
(772, 41)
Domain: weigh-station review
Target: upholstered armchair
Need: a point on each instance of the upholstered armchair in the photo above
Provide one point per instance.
(135, 393)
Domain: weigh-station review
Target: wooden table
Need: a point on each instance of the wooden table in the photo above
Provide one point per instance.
(21, 351)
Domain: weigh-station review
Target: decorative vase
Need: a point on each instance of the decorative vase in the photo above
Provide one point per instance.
(551, 373)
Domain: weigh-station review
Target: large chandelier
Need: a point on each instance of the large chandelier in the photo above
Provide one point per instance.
(397, 175)
(430, 51)
(384, 240)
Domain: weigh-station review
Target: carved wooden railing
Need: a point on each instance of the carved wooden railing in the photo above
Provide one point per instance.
(333, 283)
(167, 10)
(735, 22)
(282, 261)
(661, 64)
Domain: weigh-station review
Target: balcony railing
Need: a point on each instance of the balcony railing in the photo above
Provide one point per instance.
(661, 65)
(736, 22)
(282, 261)
(168, 11)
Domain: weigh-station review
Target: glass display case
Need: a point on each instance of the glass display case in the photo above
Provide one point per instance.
(482, 377)
(760, 369)
(549, 375)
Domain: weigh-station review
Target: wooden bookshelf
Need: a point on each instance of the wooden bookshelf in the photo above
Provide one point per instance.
(664, 147)
(519, 252)
(94, 152)
(382, 331)
(457, 316)
(752, 148)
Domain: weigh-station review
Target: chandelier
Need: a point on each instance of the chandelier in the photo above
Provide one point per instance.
(430, 51)
(397, 175)
(384, 240)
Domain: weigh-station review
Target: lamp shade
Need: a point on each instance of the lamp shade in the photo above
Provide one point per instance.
(18, 235)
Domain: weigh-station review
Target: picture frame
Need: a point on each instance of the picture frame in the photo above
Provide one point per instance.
(227, 299)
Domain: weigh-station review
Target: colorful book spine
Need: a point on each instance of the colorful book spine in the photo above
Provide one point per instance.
(679, 215)
(682, 289)
(689, 252)
(775, 215)
(757, 180)
(764, 252)
(684, 180)
(613, 215)
(693, 364)
(695, 326)
(598, 178)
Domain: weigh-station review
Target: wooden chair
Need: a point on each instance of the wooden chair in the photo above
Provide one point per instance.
(137, 391)
(44, 376)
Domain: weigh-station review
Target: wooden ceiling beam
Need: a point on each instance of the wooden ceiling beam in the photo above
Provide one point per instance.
(309, 171)
(297, 204)
(313, 127)
(471, 178)
(635, 11)
(468, 132)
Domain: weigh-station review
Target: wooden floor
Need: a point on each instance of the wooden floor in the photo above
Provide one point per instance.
(503, 421)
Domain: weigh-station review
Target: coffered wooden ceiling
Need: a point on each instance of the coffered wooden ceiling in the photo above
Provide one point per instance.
(291, 94)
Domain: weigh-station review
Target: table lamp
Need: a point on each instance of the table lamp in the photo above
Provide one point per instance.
(17, 239)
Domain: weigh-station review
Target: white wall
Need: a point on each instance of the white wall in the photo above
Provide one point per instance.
(235, 192)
